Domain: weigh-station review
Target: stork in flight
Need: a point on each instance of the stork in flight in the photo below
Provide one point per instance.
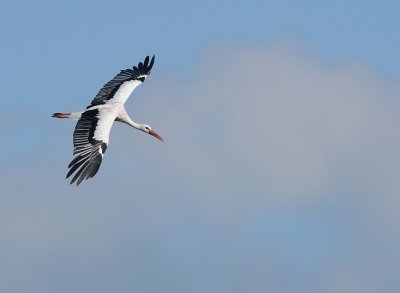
(94, 123)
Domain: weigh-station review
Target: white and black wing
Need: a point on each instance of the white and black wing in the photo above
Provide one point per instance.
(122, 85)
(90, 143)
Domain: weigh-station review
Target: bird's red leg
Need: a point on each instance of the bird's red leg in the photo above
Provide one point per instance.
(61, 115)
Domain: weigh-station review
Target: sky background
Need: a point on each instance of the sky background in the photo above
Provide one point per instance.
(279, 170)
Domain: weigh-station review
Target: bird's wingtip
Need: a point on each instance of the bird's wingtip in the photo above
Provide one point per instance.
(152, 62)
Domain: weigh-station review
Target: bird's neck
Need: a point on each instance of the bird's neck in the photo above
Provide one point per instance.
(124, 117)
(132, 123)
(135, 125)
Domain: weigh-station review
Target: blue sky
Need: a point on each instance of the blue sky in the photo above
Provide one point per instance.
(279, 172)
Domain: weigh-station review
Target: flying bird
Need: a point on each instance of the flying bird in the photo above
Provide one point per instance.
(94, 123)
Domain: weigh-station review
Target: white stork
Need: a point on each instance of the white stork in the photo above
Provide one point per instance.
(94, 123)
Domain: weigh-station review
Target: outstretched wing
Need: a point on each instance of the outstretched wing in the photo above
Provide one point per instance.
(122, 85)
(90, 143)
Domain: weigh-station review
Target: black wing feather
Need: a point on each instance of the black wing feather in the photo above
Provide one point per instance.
(89, 151)
(110, 88)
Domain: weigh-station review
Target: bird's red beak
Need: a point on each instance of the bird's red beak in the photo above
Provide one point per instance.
(156, 135)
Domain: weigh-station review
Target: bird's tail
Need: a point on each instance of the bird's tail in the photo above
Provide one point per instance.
(61, 115)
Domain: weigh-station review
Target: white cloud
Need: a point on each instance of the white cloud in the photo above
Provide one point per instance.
(276, 118)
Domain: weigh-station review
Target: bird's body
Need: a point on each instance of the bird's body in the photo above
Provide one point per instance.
(94, 124)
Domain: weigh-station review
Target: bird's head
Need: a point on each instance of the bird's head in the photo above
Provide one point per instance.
(146, 128)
